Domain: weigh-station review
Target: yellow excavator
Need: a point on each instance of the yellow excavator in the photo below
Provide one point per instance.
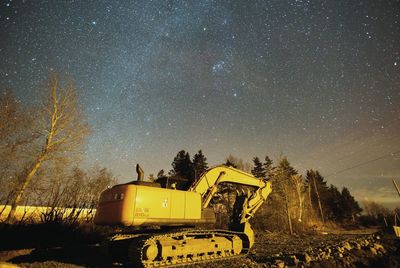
(143, 203)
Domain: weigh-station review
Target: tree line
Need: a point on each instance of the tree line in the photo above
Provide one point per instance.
(304, 200)
(185, 170)
(297, 200)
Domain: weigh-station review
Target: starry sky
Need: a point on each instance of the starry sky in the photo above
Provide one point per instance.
(317, 81)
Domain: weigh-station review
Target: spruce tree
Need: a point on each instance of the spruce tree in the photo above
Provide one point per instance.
(268, 167)
(258, 170)
(162, 179)
(199, 164)
(228, 163)
(182, 166)
(334, 209)
(285, 169)
(350, 206)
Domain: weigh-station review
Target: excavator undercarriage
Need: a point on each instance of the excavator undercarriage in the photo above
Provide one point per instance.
(177, 248)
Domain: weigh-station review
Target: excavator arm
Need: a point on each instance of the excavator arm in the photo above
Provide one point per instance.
(247, 201)
(207, 186)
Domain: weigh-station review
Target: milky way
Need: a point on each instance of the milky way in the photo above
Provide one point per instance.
(318, 81)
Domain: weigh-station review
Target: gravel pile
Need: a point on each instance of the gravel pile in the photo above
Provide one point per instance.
(309, 251)
(273, 250)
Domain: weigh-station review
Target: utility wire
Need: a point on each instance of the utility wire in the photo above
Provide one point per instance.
(352, 154)
(363, 163)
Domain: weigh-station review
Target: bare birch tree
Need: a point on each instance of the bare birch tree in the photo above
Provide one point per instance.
(319, 201)
(284, 189)
(299, 186)
(63, 131)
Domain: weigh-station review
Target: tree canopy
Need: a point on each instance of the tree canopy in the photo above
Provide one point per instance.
(258, 170)
(199, 164)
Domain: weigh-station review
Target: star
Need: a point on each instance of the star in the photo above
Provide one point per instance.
(313, 82)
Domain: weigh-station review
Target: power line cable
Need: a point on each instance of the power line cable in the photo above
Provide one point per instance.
(363, 163)
(352, 154)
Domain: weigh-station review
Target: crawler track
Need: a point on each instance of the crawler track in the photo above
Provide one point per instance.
(178, 248)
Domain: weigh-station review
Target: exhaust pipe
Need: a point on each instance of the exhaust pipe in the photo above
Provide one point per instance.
(140, 173)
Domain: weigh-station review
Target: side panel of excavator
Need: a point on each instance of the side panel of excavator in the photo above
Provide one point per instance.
(138, 205)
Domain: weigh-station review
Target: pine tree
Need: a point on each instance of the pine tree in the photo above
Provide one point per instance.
(268, 167)
(350, 206)
(258, 170)
(334, 209)
(162, 179)
(228, 163)
(199, 164)
(284, 169)
(238, 163)
(182, 167)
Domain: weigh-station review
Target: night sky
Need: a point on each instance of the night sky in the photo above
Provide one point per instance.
(317, 81)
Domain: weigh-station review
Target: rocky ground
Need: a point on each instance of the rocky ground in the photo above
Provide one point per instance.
(341, 249)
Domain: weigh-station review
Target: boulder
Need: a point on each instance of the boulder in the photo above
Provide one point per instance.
(356, 245)
(293, 261)
(346, 245)
(373, 251)
(379, 247)
(305, 258)
(279, 264)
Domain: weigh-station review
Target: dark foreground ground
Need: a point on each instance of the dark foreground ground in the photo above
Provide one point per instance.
(358, 248)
